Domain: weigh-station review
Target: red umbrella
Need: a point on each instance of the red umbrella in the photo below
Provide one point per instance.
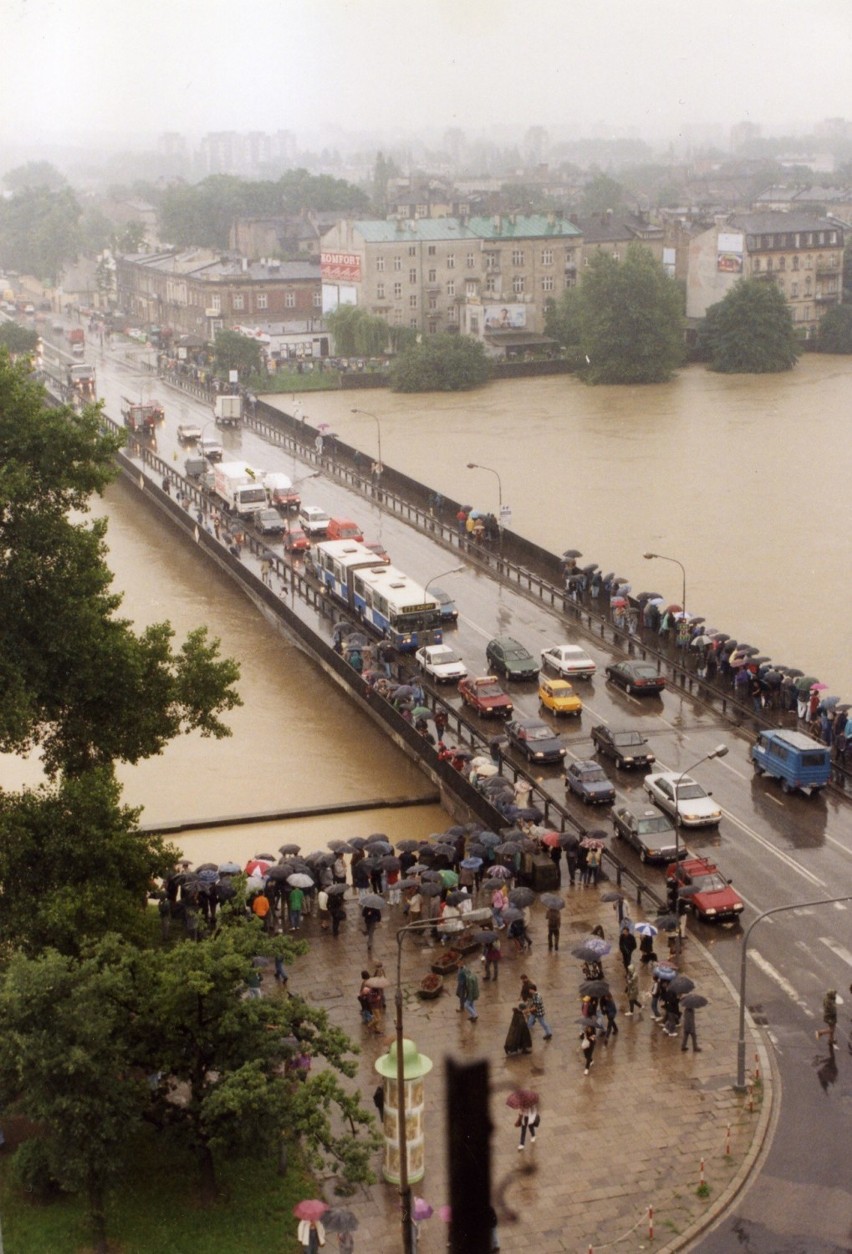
(257, 866)
(310, 1208)
(522, 1099)
(551, 838)
(674, 609)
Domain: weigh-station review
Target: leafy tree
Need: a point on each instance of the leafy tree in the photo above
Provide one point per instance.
(75, 679)
(64, 1057)
(631, 319)
(750, 331)
(357, 333)
(96, 231)
(18, 339)
(441, 363)
(39, 231)
(402, 338)
(600, 194)
(34, 174)
(233, 351)
(130, 238)
(563, 317)
(835, 330)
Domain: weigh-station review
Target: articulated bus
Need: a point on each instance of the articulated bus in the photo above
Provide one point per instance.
(381, 596)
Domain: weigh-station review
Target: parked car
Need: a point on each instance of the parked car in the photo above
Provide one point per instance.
(624, 747)
(295, 541)
(486, 697)
(506, 656)
(589, 782)
(188, 432)
(449, 613)
(636, 677)
(535, 740)
(268, 522)
(684, 799)
(569, 661)
(558, 696)
(651, 834)
(441, 662)
(710, 895)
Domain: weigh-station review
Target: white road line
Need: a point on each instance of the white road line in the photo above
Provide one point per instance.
(733, 769)
(783, 983)
(839, 950)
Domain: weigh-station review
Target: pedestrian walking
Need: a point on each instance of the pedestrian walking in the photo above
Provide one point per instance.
(364, 1000)
(554, 923)
(626, 945)
(518, 1039)
(471, 995)
(689, 1030)
(493, 955)
(571, 859)
(588, 1037)
(534, 1007)
(829, 1017)
(609, 1010)
(461, 988)
(528, 1120)
(311, 1234)
(632, 990)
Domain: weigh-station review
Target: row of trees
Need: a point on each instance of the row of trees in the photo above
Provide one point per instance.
(101, 1029)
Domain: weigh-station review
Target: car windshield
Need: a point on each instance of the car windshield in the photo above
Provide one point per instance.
(643, 672)
(445, 657)
(489, 690)
(627, 738)
(539, 732)
(711, 883)
(591, 774)
(517, 655)
(651, 826)
(690, 792)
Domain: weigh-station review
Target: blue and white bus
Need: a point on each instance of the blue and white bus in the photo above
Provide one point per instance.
(380, 595)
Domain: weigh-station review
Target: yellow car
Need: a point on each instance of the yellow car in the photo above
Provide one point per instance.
(558, 695)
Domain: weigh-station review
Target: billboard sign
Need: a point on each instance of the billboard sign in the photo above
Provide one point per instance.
(505, 317)
(729, 252)
(337, 267)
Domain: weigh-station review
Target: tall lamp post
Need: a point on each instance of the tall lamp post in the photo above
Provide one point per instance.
(492, 471)
(367, 414)
(718, 752)
(661, 557)
(456, 570)
(473, 916)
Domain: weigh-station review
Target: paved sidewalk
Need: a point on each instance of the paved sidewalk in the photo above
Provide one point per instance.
(630, 1136)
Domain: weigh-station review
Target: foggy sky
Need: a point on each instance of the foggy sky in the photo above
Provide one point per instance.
(77, 68)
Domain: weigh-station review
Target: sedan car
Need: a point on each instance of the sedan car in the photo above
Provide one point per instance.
(449, 613)
(441, 662)
(508, 657)
(268, 522)
(534, 739)
(558, 696)
(650, 833)
(569, 661)
(486, 697)
(211, 449)
(295, 541)
(188, 432)
(705, 890)
(684, 799)
(626, 748)
(588, 781)
(636, 677)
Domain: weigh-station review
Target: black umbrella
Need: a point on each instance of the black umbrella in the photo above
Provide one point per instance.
(372, 901)
(571, 553)
(511, 913)
(552, 901)
(521, 897)
(376, 847)
(585, 954)
(340, 846)
(491, 886)
(207, 866)
(430, 874)
(408, 883)
(389, 862)
(357, 842)
(339, 1220)
(264, 857)
(408, 846)
(666, 922)
(681, 984)
(508, 849)
(443, 851)
(693, 1001)
(285, 849)
(612, 895)
(485, 937)
(568, 840)
(336, 890)
(456, 896)
(594, 988)
(279, 873)
(431, 888)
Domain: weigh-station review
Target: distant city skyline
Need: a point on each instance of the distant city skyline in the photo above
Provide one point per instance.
(81, 72)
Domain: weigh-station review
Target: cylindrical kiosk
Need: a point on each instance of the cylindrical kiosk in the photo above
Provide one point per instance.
(415, 1067)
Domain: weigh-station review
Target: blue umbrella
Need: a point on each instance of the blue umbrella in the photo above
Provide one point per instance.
(645, 929)
(471, 864)
(489, 839)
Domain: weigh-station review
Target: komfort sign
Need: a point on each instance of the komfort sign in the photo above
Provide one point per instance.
(337, 267)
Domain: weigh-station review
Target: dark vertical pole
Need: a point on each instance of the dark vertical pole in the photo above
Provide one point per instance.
(469, 1148)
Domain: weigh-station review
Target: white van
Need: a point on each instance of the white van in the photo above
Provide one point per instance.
(313, 520)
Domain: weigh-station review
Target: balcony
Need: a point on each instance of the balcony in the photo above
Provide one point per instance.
(829, 267)
(827, 298)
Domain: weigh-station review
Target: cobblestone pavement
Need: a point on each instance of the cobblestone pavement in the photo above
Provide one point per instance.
(631, 1135)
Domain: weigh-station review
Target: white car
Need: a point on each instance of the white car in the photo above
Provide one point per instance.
(569, 661)
(684, 799)
(441, 662)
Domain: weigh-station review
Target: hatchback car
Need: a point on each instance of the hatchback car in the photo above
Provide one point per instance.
(558, 696)
(626, 748)
(588, 781)
(484, 695)
(313, 520)
(441, 662)
(268, 522)
(211, 449)
(637, 678)
(569, 661)
(706, 891)
(295, 541)
(684, 799)
(506, 656)
(650, 833)
(449, 613)
(535, 740)
(188, 432)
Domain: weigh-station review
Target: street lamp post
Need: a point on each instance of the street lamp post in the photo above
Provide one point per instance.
(368, 414)
(456, 570)
(473, 916)
(492, 471)
(718, 752)
(661, 557)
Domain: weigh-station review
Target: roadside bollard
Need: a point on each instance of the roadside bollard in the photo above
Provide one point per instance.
(701, 1173)
(756, 1067)
(650, 1223)
(728, 1141)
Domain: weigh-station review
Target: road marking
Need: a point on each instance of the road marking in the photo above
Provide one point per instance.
(733, 769)
(783, 983)
(839, 950)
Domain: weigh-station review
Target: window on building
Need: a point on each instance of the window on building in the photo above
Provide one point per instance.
(547, 283)
(216, 303)
(397, 317)
(452, 314)
(518, 284)
(238, 301)
(451, 288)
(317, 300)
(517, 256)
(433, 302)
(769, 263)
(433, 276)
(412, 252)
(380, 263)
(470, 289)
(290, 300)
(795, 263)
(794, 290)
(262, 300)
(547, 256)
(397, 291)
(412, 322)
(782, 263)
(807, 285)
(433, 326)
(412, 302)
(470, 261)
(380, 291)
(451, 261)
(430, 251)
(809, 262)
(491, 283)
(492, 261)
(412, 276)
(756, 266)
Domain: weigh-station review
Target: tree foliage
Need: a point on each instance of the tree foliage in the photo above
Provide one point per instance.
(601, 194)
(631, 316)
(39, 231)
(234, 351)
(75, 679)
(835, 330)
(563, 317)
(33, 174)
(357, 333)
(750, 331)
(18, 339)
(441, 363)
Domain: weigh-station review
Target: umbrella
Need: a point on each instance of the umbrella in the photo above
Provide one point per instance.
(448, 878)
(408, 846)
(258, 866)
(471, 864)
(389, 863)
(340, 846)
(336, 890)
(521, 897)
(693, 1001)
(681, 984)
(491, 886)
(229, 868)
(254, 883)
(421, 1210)
(805, 683)
(645, 929)
(378, 981)
(569, 553)
(357, 842)
(421, 711)
(674, 609)
(489, 839)
(508, 849)
(285, 849)
(792, 672)
(208, 877)
(666, 922)
(551, 838)
(612, 895)
(501, 872)
(339, 1220)
(443, 851)
(374, 847)
(585, 954)
(568, 840)
(310, 1208)
(431, 889)
(664, 972)
(372, 901)
(265, 857)
(207, 866)
(818, 687)
(300, 881)
(601, 947)
(698, 642)
(277, 873)
(485, 937)
(522, 1099)
(594, 988)
(552, 901)
(456, 896)
(511, 913)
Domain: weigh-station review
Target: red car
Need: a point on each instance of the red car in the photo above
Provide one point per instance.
(705, 889)
(486, 697)
(295, 541)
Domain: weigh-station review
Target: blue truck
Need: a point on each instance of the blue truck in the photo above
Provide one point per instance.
(797, 760)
